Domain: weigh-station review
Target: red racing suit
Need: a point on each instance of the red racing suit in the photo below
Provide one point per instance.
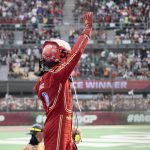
(53, 88)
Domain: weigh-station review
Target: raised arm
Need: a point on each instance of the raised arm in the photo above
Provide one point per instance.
(64, 70)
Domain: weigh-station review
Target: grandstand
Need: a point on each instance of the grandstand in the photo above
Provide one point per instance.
(113, 76)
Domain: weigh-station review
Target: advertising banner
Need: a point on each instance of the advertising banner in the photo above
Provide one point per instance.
(17, 118)
(108, 85)
(82, 85)
(113, 118)
(83, 118)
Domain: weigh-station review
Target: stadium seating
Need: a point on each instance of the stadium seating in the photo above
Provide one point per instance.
(101, 103)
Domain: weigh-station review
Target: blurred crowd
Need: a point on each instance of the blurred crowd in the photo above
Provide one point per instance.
(34, 12)
(36, 20)
(31, 36)
(129, 20)
(6, 37)
(102, 103)
(12, 103)
(134, 64)
(118, 103)
(132, 35)
(23, 63)
(114, 11)
(94, 64)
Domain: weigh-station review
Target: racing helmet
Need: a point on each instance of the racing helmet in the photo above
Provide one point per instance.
(55, 50)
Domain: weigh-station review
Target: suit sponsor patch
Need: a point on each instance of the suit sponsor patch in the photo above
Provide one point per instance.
(41, 86)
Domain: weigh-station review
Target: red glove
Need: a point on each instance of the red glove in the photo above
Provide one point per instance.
(88, 20)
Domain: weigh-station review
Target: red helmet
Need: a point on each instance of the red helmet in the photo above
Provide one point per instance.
(55, 50)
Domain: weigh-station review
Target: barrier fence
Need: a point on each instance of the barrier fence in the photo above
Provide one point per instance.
(84, 118)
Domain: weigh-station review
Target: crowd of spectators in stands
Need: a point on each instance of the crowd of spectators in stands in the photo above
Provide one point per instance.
(133, 35)
(3, 60)
(128, 19)
(102, 103)
(11, 103)
(6, 37)
(37, 20)
(134, 64)
(114, 11)
(94, 64)
(34, 12)
(31, 36)
(23, 63)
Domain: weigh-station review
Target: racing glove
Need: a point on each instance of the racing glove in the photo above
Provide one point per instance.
(88, 20)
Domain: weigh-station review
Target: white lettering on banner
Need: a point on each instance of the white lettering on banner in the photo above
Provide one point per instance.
(124, 84)
(81, 119)
(138, 118)
(86, 119)
(105, 85)
(2, 118)
(117, 85)
(78, 85)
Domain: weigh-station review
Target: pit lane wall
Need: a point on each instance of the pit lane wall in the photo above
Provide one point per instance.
(84, 118)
